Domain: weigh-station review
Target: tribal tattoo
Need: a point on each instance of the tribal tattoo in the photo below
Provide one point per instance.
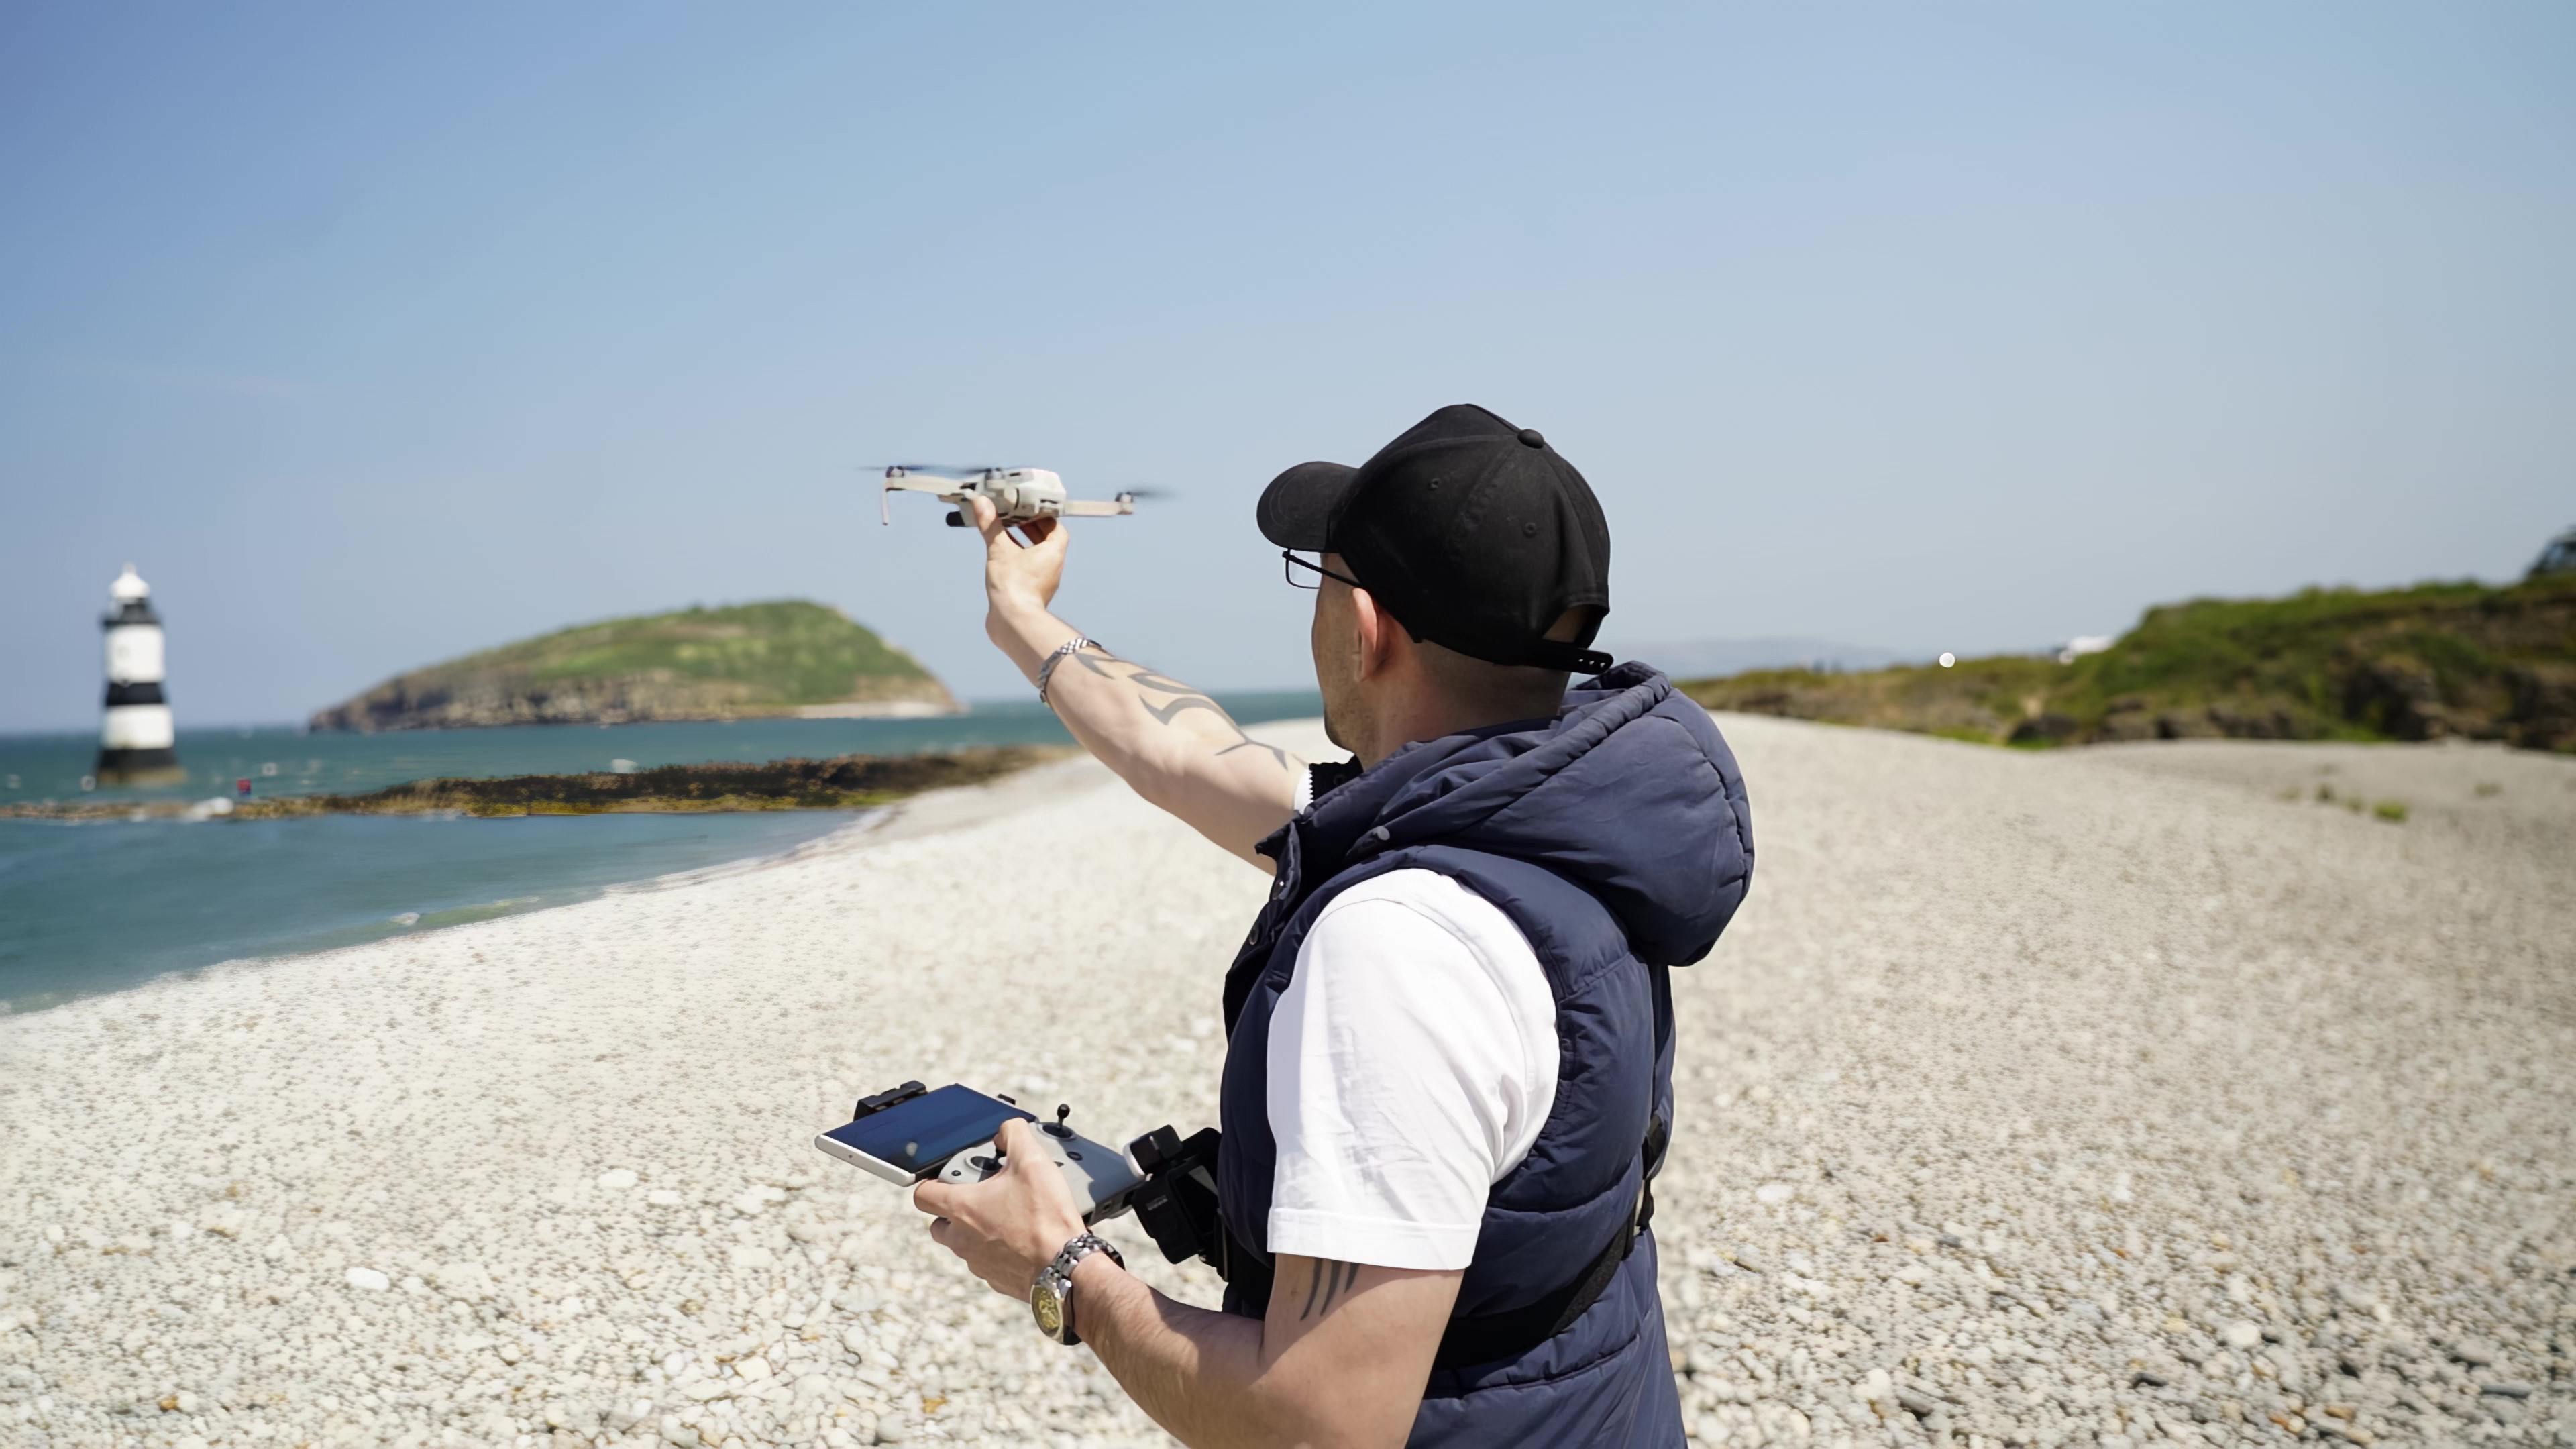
(1329, 1280)
(1185, 698)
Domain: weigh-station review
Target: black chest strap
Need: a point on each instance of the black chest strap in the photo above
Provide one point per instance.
(1485, 1337)
(1474, 1338)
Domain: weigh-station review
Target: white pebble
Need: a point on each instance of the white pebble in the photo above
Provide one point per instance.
(466, 1282)
(369, 1279)
(618, 1179)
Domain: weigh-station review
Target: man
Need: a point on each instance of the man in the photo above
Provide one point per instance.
(1448, 1074)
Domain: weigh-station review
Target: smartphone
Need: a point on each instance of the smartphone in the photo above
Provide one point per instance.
(914, 1138)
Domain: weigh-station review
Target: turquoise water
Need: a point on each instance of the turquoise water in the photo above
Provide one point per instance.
(104, 906)
(91, 908)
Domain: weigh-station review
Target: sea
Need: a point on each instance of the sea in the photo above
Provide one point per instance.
(107, 905)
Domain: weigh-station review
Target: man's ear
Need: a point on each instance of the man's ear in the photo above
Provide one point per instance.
(1377, 631)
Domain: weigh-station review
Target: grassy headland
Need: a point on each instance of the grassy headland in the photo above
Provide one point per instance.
(2403, 664)
(746, 661)
(847, 782)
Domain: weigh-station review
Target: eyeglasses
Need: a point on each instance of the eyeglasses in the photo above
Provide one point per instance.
(1310, 573)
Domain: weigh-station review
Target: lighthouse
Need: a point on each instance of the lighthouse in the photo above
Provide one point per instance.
(136, 742)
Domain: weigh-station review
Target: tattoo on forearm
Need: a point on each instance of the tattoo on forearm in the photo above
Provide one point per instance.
(1277, 754)
(1188, 698)
(1327, 1281)
(1160, 684)
(1187, 701)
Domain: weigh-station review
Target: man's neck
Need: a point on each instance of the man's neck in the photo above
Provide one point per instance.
(1422, 718)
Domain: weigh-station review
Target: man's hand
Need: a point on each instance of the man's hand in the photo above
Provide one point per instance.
(1020, 577)
(1011, 1224)
(1340, 1359)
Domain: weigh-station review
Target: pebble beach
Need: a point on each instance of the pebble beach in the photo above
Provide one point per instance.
(2201, 1092)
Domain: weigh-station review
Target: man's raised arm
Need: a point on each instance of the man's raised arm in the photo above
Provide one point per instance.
(1167, 739)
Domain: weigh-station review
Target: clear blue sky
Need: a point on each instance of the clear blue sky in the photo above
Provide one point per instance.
(375, 334)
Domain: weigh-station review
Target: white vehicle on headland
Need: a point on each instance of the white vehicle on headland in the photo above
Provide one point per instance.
(2083, 644)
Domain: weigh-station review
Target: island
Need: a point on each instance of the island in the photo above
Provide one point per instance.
(789, 657)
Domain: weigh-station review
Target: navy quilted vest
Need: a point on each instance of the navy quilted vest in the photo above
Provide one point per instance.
(1616, 838)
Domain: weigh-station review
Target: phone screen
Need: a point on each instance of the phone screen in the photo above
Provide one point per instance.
(918, 1135)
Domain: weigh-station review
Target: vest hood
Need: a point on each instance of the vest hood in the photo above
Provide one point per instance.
(1630, 793)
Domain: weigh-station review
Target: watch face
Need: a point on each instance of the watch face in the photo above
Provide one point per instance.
(1049, 1307)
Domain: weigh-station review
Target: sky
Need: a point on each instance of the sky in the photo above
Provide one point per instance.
(374, 335)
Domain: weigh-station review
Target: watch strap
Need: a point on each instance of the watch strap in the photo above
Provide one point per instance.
(1074, 645)
(1084, 1244)
(1053, 1288)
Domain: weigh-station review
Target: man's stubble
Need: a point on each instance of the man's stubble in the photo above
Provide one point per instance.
(1336, 650)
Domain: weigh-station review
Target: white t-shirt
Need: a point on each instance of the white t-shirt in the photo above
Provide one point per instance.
(1412, 1060)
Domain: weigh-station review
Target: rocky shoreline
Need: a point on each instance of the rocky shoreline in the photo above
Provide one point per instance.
(408, 703)
(844, 782)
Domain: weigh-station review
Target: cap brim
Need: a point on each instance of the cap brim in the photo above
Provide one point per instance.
(1297, 508)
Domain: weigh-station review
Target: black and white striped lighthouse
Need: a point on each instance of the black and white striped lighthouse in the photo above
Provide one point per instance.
(137, 742)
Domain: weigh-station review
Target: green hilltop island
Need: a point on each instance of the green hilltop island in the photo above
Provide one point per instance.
(787, 659)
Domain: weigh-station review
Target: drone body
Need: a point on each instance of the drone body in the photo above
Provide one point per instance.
(1018, 495)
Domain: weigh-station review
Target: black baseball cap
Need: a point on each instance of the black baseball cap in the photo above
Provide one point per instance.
(1474, 534)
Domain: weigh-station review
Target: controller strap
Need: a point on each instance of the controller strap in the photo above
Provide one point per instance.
(1474, 1338)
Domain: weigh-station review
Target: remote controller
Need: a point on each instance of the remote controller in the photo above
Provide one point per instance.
(1100, 1176)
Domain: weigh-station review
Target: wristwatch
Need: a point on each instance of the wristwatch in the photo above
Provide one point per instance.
(1051, 1296)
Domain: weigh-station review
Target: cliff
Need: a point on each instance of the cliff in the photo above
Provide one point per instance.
(744, 662)
(2435, 660)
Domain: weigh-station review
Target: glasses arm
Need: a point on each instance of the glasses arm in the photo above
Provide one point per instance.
(1296, 580)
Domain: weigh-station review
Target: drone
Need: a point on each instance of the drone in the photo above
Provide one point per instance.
(1018, 495)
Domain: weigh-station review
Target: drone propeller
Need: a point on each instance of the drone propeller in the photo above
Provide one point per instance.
(949, 468)
(1142, 493)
